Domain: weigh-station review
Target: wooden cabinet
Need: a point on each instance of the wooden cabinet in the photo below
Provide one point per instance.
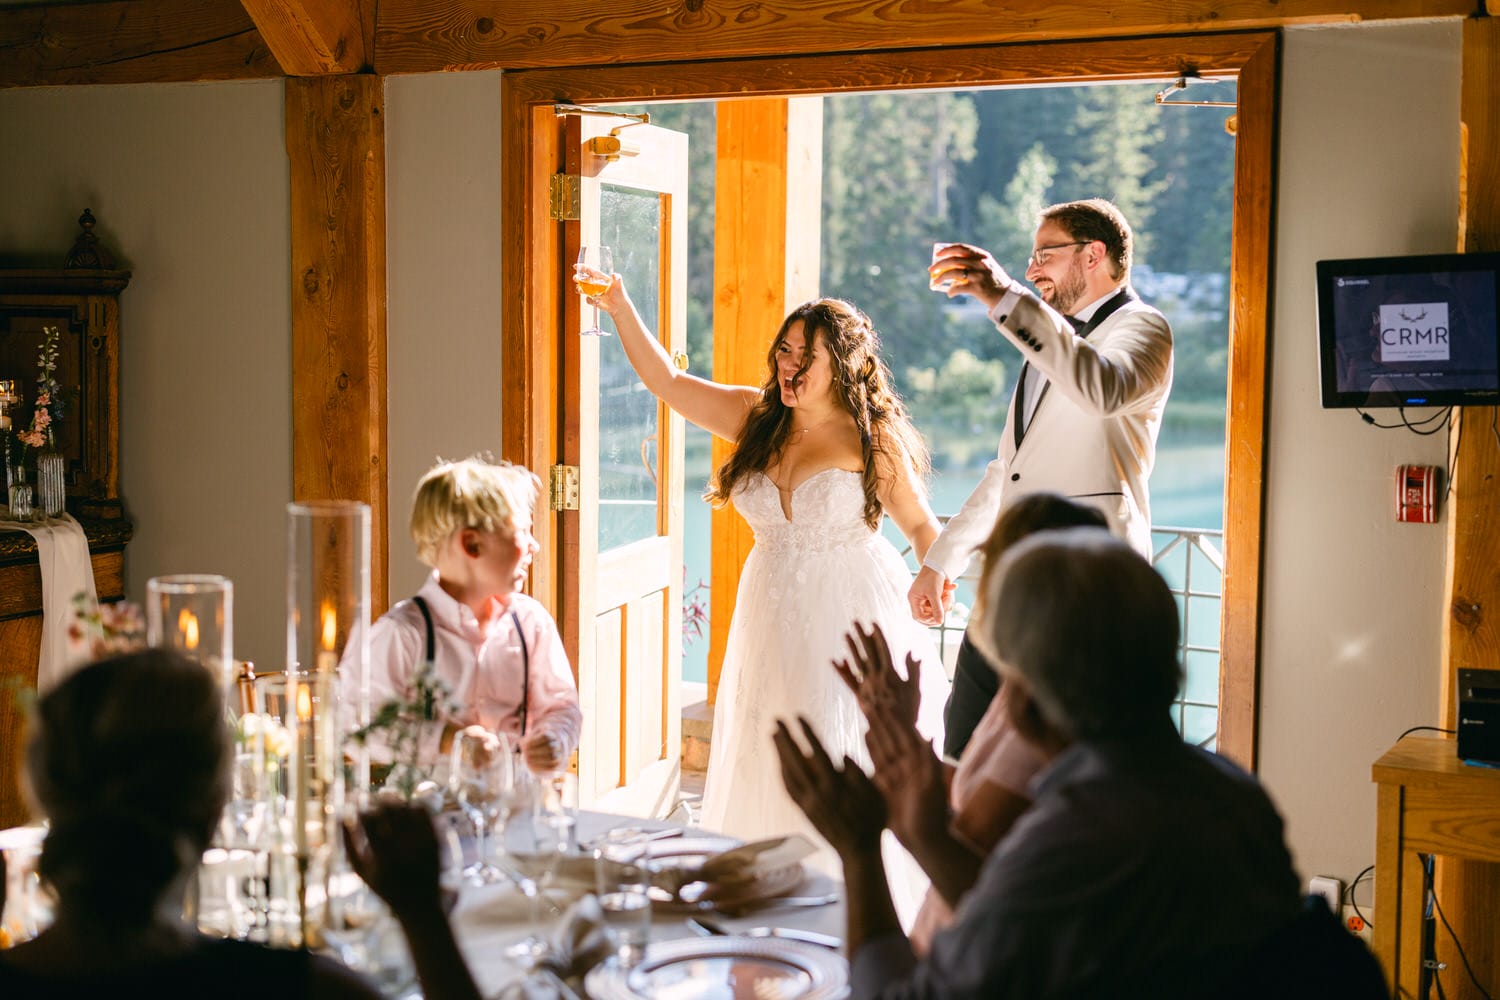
(84, 306)
(83, 303)
(1430, 802)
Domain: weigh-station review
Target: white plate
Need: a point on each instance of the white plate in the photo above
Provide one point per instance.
(724, 968)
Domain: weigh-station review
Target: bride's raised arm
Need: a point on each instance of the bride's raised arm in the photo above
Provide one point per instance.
(718, 409)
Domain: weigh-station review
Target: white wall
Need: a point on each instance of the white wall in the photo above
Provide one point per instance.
(443, 281)
(189, 183)
(1352, 614)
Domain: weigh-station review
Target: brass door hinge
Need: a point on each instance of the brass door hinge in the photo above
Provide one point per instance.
(563, 197)
(563, 492)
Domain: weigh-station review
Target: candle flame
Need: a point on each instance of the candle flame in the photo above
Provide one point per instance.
(330, 626)
(187, 624)
(304, 702)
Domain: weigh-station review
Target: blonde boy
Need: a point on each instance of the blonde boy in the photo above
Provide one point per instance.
(496, 649)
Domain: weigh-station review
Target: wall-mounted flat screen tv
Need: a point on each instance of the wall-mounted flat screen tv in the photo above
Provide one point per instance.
(1410, 331)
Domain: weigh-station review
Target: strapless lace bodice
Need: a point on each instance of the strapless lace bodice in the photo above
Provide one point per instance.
(806, 581)
(827, 512)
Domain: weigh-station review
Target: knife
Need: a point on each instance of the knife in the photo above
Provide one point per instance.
(708, 927)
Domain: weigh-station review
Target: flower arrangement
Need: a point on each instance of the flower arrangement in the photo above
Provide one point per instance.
(398, 725)
(278, 738)
(47, 412)
(101, 630)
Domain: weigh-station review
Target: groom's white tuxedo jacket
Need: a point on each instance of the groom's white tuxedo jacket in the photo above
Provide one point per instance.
(1092, 436)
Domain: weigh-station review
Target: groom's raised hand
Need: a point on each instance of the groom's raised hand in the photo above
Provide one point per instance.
(840, 802)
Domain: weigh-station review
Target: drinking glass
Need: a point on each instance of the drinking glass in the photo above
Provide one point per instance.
(946, 280)
(622, 881)
(592, 275)
(483, 778)
(525, 803)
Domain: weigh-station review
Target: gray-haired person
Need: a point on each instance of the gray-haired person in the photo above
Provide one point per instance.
(1144, 867)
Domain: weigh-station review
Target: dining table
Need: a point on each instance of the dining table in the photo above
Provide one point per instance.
(490, 919)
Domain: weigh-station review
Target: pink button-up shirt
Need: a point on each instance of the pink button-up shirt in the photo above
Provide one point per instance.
(481, 664)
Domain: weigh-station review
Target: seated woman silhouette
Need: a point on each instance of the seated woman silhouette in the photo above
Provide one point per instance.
(128, 759)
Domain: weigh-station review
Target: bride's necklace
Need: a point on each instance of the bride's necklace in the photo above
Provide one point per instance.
(799, 434)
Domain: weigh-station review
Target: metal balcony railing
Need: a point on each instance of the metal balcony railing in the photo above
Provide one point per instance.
(1192, 562)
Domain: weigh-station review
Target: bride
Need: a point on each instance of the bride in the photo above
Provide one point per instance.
(824, 449)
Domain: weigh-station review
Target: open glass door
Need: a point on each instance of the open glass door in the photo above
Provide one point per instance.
(628, 449)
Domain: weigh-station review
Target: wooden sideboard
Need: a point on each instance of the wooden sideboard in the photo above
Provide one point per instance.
(1430, 802)
(81, 300)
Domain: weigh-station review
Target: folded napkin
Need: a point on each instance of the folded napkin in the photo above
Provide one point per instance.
(755, 860)
(63, 552)
(579, 942)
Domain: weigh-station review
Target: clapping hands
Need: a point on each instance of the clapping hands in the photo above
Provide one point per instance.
(394, 848)
(907, 773)
(872, 677)
(841, 802)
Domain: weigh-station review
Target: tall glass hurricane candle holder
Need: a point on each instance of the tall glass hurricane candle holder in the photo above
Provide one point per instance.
(194, 614)
(327, 635)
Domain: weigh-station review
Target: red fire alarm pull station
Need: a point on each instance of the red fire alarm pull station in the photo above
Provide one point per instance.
(1416, 493)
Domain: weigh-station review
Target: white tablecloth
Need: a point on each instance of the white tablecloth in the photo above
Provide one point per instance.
(63, 552)
(490, 918)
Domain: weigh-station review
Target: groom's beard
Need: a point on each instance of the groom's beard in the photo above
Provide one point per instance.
(1067, 294)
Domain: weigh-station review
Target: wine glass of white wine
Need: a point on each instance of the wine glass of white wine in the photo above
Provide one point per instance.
(592, 263)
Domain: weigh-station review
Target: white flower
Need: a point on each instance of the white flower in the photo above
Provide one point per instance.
(278, 738)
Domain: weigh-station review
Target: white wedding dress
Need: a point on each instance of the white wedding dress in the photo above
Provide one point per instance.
(805, 584)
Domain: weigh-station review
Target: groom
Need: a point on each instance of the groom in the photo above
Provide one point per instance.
(1086, 410)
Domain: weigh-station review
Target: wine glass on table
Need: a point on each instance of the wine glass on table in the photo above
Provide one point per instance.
(483, 777)
(592, 275)
(531, 874)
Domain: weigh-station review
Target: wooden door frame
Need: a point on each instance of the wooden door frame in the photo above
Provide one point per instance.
(532, 263)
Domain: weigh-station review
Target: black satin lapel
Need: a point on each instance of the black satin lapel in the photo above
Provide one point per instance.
(1018, 405)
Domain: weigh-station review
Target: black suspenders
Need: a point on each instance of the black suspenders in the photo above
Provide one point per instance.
(515, 620)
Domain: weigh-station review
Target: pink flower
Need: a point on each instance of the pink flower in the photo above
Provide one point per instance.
(40, 419)
(34, 439)
(43, 398)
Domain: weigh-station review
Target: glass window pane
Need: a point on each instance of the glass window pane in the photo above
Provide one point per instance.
(630, 224)
(1202, 625)
(1202, 683)
(1200, 727)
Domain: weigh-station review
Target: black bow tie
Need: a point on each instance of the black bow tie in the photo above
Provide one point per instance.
(1078, 324)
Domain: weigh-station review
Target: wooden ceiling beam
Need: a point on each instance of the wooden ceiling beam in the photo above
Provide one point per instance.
(414, 36)
(313, 37)
(130, 41)
(150, 41)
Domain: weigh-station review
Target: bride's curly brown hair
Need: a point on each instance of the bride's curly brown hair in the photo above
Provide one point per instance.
(862, 385)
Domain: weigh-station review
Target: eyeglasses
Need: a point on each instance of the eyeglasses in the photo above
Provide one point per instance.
(1041, 255)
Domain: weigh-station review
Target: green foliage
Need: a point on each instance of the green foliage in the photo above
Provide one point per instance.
(890, 164)
(959, 404)
(904, 170)
(398, 724)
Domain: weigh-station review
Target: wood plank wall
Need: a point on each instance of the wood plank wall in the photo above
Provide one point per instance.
(1469, 891)
(335, 140)
(766, 244)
